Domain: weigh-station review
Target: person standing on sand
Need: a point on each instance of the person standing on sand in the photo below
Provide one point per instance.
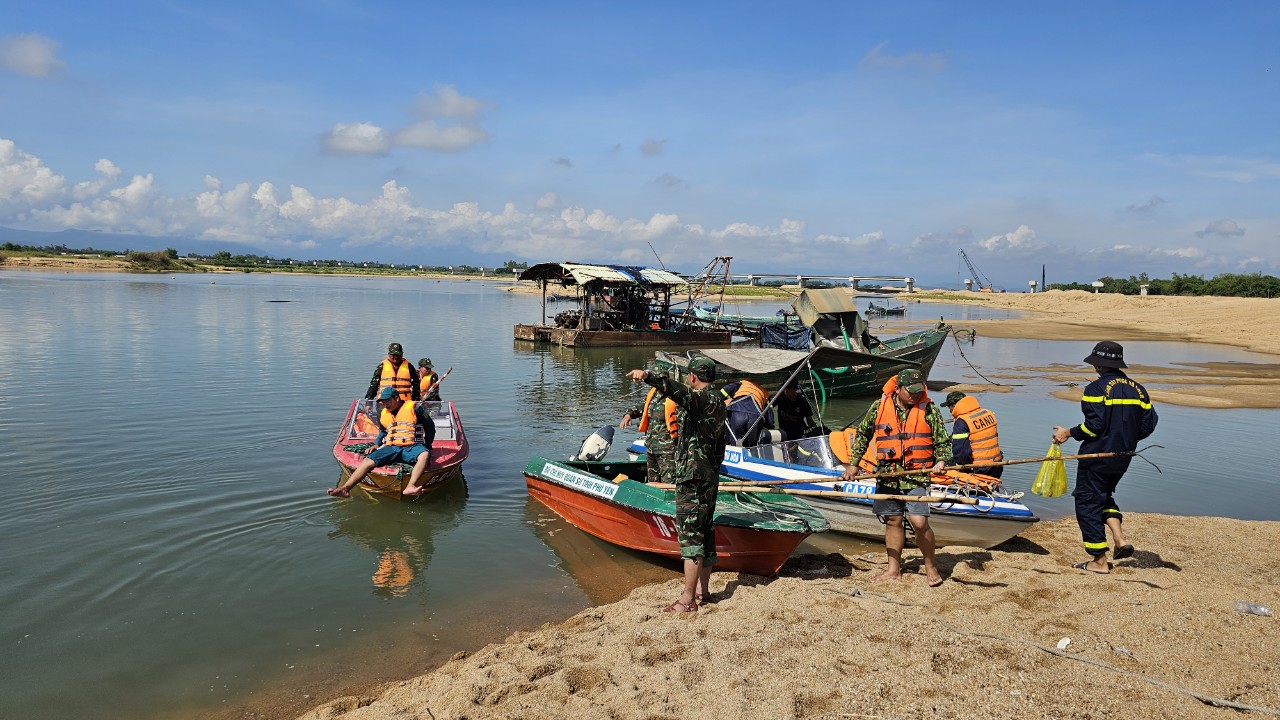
(974, 438)
(394, 372)
(397, 442)
(1117, 414)
(699, 450)
(905, 431)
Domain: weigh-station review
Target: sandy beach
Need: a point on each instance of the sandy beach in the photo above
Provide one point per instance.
(1013, 632)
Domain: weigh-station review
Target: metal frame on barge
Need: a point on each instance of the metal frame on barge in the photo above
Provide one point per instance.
(618, 305)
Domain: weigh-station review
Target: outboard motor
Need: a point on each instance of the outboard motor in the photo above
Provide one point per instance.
(596, 446)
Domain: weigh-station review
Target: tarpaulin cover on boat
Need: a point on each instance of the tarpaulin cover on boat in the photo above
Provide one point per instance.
(567, 273)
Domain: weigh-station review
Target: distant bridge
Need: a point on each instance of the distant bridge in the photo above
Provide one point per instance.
(754, 279)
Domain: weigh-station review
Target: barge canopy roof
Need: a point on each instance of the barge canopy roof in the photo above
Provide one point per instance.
(567, 273)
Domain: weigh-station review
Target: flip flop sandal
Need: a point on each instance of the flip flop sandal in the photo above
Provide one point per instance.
(1085, 566)
(1122, 552)
(679, 607)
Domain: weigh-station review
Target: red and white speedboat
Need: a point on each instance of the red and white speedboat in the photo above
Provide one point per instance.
(360, 429)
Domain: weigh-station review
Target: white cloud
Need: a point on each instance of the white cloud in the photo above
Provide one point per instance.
(1221, 228)
(448, 103)
(1022, 240)
(448, 138)
(24, 178)
(928, 62)
(31, 54)
(447, 122)
(289, 218)
(357, 139)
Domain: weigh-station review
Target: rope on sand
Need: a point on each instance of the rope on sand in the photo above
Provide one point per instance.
(1206, 699)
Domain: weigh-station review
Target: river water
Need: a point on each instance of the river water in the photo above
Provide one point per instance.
(168, 549)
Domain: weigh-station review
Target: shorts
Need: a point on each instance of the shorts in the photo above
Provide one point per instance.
(388, 454)
(898, 508)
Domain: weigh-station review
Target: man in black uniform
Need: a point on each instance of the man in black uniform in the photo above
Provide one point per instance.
(1117, 414)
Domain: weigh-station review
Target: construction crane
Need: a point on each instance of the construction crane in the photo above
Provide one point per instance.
(984, 285)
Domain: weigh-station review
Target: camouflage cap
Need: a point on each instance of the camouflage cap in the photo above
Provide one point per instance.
(424, 362)
(395, 350)
(703, 368)
(911, 380)
(953, 397)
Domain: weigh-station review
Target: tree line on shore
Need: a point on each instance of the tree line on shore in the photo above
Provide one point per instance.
(169, 260)
(1224, 285)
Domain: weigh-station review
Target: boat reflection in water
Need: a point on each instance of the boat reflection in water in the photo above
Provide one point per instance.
(399, 537)
(604, 572)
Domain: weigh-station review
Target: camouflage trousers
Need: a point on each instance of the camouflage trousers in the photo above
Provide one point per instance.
(659, 467)
(695, 513)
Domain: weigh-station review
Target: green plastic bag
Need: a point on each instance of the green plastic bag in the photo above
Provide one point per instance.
(1051, 481)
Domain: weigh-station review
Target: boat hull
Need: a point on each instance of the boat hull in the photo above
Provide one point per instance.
(920, 347)
(576, 337)
(448, 451)
(633, 515)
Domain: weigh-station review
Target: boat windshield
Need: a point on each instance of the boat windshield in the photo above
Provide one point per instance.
(364, 421)
(813, 452)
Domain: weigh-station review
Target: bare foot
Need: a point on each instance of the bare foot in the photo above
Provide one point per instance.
(1103, 569)
(887, 577)
(934, 580)
(412, 491)
(339, 492)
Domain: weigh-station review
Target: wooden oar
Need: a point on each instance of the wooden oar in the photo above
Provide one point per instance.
(728, 487)
(923, 471)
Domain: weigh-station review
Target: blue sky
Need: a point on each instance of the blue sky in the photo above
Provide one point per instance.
(843, 137)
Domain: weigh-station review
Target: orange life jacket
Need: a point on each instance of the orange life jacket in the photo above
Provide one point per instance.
(982, 430)
(669, 410)
(746, 387)
(425, 381)
(398, 378)
(909, 443)
(841, 442)
(401, 426)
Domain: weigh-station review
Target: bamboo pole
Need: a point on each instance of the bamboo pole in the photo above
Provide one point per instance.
(924, 471)
(729, 487)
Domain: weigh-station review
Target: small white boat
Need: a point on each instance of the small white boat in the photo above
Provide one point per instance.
(809, 464)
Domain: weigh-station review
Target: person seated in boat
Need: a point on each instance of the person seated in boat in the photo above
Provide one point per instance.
(795, 414)
(908, 438)
(429, 382)
(394, 372)
(745, 402)
(973, 437)
(397, 442)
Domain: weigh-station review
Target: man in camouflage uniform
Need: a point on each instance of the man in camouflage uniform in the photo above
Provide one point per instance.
(909, 434)
(696, 459)
(659, 443)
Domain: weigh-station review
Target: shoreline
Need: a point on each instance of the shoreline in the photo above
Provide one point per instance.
(1013, 632)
